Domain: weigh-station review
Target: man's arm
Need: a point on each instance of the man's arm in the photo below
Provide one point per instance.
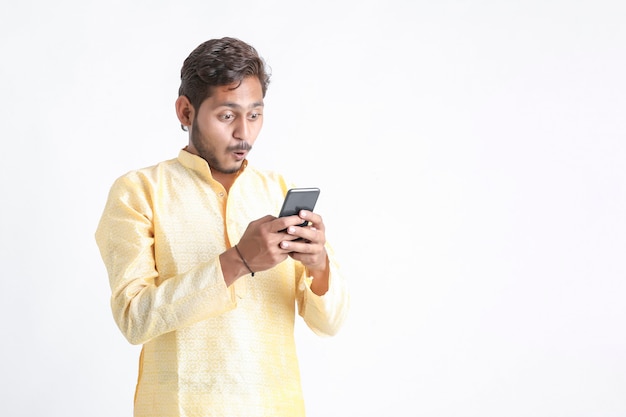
(310, 250)
(265, 245)
(323, 298)
(141, 308)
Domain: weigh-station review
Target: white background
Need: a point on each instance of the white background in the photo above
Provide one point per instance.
(471, 156)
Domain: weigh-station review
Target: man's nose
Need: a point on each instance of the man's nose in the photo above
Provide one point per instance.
(242, 129)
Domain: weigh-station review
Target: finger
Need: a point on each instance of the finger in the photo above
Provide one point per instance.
(309, 234)
(281, 224)
(312, 260)
(295, 246)
(304, 245)
(313, 218)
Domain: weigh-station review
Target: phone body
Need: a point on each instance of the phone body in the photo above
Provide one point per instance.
(299, 199)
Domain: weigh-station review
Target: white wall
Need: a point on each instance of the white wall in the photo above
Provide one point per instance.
(471, 159)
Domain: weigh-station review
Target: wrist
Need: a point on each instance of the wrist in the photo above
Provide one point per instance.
(319, 268)
(232, 266)
(321, 278)
(243, 260)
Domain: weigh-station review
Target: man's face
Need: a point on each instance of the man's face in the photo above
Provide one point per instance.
(227, 124)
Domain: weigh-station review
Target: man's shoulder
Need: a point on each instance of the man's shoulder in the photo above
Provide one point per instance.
(147, 177)
(152, 170)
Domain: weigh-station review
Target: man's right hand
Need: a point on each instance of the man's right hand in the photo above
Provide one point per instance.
(259, 246)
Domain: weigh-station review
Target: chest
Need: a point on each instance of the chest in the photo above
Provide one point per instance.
(194, 222)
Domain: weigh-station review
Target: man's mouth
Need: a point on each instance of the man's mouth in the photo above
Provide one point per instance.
(240, 150)
(239, 155)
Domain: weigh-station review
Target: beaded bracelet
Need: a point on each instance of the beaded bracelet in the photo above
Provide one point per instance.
(244, 261)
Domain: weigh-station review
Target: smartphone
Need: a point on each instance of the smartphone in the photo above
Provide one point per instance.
(299, 199)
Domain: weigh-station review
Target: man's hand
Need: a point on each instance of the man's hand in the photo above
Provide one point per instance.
(269, 240)
(260, 243)
(310, 249)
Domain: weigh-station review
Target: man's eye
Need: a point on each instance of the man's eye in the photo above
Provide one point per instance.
(255, 115)
(228, 116)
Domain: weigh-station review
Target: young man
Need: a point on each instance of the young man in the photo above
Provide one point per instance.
(201, 271)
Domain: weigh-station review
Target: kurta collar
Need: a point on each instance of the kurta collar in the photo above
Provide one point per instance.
(199, 165)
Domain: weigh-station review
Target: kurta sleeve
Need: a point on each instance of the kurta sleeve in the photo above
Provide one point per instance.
(145, 304)
(324, 314)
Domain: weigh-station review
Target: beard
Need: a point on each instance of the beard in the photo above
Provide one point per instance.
(209, 153)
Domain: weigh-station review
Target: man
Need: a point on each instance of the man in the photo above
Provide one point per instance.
(201, 271)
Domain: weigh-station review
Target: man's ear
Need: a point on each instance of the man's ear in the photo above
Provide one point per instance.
(184, 111)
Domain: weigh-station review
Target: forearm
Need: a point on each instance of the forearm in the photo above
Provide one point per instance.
(143, 310)
(325, 314)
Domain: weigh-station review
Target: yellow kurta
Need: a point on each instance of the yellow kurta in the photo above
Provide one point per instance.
(208, 349)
